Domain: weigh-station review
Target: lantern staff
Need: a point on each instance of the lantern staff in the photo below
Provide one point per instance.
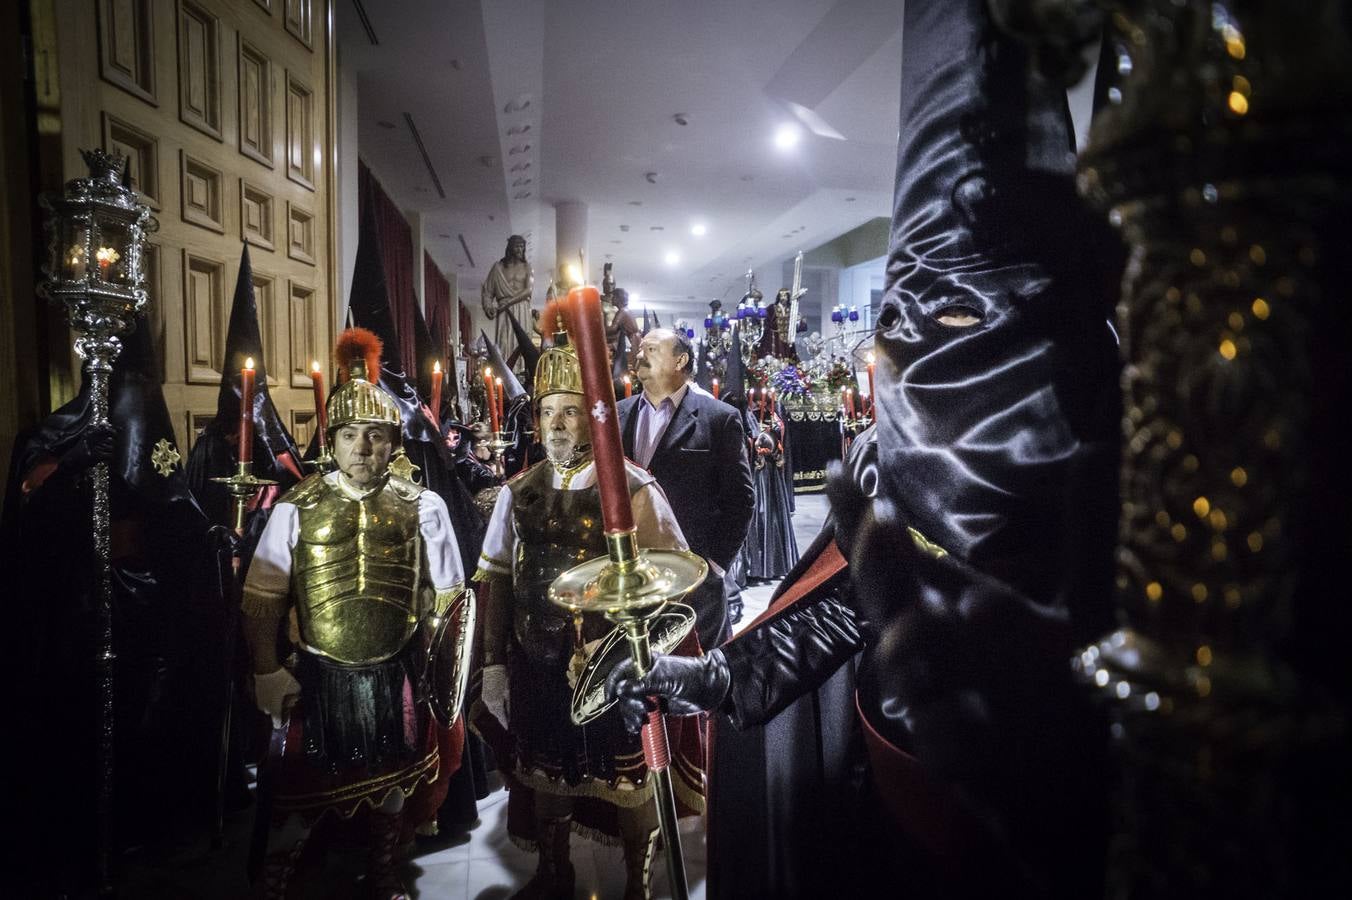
(97, 230)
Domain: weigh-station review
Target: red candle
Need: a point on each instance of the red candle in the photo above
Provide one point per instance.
(849, 401)
(489, 402)
(589, 337)
(628, 387)
(497, 398)
(321, 412)
(872, 401)
(246, 392)
(436, 392)
(715, 388)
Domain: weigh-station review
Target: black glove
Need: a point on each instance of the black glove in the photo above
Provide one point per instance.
(688, 684)
(94, 445)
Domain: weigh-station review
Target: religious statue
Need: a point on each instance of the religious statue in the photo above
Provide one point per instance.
(780, 332)
(509, 282)
(622, 332)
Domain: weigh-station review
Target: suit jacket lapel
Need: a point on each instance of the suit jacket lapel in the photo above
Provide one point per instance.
(681, 425)
(629, 428)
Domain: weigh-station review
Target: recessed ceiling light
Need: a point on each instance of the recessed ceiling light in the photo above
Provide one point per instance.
(518, 129)
(617, 241)
(635, 296)
(650, 177)
(519, 149)
(521, 195)
(383, 124)
(443, 234)
(849, 199)
(681, 119)
(699, 229)
(787, 136)
(624, 228)
(672, 258)
(656, 228)
(748, 178)
(635, 202)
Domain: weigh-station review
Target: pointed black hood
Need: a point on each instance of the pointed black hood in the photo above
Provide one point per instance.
(530, 354)
(369, 308)
(244, 340)
(510, 384)
(997, 367)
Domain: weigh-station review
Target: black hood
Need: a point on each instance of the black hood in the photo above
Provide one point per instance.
(511, 385)
(244, 340)
(530, 354)
(145, 434)
(986, 433)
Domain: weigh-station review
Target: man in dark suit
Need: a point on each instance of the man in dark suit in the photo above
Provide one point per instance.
(695, 448)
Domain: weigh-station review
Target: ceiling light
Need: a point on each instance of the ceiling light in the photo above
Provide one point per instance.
(635, 296)
(672, 258)
(787, 136)
(699, 229)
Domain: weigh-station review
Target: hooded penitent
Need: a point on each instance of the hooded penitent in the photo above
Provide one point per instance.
(170, 572)
(515, 407)
(215, 453)
(997, 412)
(530, 354)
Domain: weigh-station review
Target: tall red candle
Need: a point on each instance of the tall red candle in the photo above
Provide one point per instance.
(321, 412)
(437, 376)
(628, 387)
(872, 397)
(246, 392)
(589, 337)
(489, 402)
(715, 388)
(497, 398)
(849, 402)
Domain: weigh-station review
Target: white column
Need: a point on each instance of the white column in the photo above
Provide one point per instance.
(570, 236)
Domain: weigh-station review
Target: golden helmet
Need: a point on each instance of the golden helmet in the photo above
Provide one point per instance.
(358, 400)
(557, 372)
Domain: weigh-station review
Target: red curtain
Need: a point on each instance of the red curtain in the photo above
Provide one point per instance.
(437, 304)
(396, 257)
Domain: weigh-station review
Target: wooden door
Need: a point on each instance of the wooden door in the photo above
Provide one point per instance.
(224, 110)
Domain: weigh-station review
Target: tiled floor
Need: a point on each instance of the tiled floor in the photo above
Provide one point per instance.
(483, 865)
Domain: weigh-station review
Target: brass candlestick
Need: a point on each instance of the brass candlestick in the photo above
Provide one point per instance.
(242, 485)
(634, 588)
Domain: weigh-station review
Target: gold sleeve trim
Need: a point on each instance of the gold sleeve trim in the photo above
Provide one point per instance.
(446, 597)
(264, 606)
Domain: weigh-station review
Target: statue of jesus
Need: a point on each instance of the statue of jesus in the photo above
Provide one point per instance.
(509, 282)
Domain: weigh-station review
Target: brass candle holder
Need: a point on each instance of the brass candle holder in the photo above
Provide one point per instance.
(242, 485)
(637, 590)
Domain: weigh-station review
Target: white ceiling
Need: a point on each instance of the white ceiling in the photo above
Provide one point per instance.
(600, 82)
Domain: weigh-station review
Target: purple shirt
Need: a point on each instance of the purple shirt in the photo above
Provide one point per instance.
(653, 422)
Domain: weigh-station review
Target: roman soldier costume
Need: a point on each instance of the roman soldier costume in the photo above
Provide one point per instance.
(374, 578)
(547, 520)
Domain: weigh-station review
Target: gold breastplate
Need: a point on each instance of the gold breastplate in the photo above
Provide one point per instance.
(357, 571)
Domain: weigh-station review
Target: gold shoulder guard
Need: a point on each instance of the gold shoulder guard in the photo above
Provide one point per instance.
(306, 494)
(406, 490)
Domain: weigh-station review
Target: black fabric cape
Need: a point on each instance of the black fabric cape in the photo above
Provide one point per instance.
(171, 581)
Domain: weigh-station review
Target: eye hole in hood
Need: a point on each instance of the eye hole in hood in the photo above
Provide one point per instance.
(958, 316)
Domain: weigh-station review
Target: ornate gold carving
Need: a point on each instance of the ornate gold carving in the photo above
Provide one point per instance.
(164, 457)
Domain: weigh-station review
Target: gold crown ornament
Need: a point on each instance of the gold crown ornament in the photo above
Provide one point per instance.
(358, 400)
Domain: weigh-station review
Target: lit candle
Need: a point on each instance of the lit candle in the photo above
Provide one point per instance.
(589, 337)
(489, 403)
(436, 392)
(497, 399)
(246, 392)
(872, 401)
(628, 387)
(321, 413)
(106, 256)
(715, 388)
